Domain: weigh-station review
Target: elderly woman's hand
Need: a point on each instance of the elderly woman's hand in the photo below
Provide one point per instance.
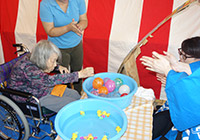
(157, 63)
(87, 72)
(63, 69)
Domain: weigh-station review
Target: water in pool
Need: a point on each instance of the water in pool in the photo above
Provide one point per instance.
(90, 123)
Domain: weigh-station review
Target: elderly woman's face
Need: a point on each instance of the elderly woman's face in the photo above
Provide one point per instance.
(51, 62)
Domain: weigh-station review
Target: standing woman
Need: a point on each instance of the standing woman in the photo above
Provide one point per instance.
(64, 22)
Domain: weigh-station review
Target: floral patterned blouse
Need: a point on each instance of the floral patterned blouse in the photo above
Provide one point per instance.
(27, 77)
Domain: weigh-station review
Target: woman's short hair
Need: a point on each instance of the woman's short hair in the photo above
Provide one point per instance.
(191, 46)
(42, 52)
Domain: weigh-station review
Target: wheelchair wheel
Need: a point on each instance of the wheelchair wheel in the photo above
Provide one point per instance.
(14, 125)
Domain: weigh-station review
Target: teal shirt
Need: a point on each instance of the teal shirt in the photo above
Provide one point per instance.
(50, 11)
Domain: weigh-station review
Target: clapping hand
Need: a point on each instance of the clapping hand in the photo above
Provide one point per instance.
(177, 65)
(157, 63)
(161, 78)
(75, 28)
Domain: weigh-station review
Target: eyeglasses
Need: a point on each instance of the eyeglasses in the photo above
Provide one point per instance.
(184, 56)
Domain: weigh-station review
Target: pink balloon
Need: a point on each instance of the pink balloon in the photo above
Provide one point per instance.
(110, 84)
(94, 92)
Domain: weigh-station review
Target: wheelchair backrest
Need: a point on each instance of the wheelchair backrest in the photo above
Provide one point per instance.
(28, 108)
(6, 68)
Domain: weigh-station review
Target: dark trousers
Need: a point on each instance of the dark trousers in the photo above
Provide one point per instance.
(161, 124)
(73, 57)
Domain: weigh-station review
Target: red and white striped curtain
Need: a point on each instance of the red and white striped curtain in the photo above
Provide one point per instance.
(114, 28)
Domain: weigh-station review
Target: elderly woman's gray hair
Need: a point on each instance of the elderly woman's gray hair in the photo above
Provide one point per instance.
(42, 52)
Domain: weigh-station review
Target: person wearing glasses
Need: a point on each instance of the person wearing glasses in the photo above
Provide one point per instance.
(189, 54)
(180, 115)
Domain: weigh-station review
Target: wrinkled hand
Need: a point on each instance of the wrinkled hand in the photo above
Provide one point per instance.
(87, 72)
(157, 63)
(182, 67)
(176, 65)
(161, 78)
(75, 28)
(172, 59)
(63, 69)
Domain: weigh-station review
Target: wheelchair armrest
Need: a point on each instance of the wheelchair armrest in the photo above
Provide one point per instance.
(16, 92)
(42, 111)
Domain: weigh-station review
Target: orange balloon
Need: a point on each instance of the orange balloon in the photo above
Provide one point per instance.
(103, 90)
(97, 83)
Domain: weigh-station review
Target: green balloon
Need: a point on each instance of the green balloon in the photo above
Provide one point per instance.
(118, 82)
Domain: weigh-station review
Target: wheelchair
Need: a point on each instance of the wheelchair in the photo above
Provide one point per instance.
(15, 116)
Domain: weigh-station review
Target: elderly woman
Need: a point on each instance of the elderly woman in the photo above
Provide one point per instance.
(182, 89)
(30, 74)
